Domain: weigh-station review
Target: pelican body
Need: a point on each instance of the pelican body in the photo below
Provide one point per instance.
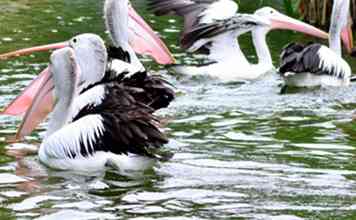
(315, 64)
(104, 109)
(212, 27)
(93, 127)
(128, 33)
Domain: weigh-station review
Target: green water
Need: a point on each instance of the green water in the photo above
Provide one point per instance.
(242, 151)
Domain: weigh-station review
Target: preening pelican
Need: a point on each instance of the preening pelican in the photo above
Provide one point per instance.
(91, 128)
(104, 109)
(212, 27)
(315, 64)
(129, 33)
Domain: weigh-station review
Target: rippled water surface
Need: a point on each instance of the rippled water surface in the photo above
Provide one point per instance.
(242, 151)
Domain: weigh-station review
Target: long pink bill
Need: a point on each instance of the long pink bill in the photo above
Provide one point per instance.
(41, 106)
(22, 102)
(144, 40)
(26, 51)
(280, 21)
(347, 38)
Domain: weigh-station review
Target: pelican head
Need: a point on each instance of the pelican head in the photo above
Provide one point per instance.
(59, 86)
(89, 47)
(87, 51)
(83, 59)
(278, 20)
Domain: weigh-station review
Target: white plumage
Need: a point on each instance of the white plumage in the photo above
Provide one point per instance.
(315, 64)
(99, 117)
(219, 10)
(62, 150)
(333, 63)
(93, 96)
(212, 28)
(65, 144)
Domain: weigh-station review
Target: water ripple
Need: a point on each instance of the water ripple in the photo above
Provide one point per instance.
(241, 150)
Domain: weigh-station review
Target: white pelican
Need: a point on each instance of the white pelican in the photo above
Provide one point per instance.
(93, 127)
(212, 27)
(315, 64)
(125, 98)
(129, 33)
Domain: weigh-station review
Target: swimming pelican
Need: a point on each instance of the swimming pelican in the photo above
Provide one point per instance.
(315, 64)
(129, 33)
(91, 128)
(212, 27)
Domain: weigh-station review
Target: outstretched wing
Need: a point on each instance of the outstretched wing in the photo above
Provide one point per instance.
(233, 27)
(195, 12)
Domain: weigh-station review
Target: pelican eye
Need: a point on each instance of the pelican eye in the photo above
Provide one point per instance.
(75, 40)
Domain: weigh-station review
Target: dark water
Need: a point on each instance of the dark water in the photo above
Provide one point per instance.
(242, 151)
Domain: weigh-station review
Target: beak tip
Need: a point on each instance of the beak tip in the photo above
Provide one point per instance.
(173, 60)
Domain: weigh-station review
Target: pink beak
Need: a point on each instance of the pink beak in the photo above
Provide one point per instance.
(31, 50)
(280, 21)
(22, 102)
(144, 40)
(40, 107)
(347, 38)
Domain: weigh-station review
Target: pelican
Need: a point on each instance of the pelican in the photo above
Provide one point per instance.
(111, 110)
(315, 64)
(212, 27)
(91, 128)
(128, 33)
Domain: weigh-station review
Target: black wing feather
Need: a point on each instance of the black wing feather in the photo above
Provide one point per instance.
(152, 90)
(299, 58)
(191, 10)
(118, 53)
(240, 22)
(124, 130)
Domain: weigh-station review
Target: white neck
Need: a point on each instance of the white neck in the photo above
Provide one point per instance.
(338, 20)
(134, 59)
(261, 47)
(335, 32)
(117, 22)
(334, 42)
(62, 111)
(225, 48)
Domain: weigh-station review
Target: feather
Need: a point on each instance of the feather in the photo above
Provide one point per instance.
(313, 58)
(195, 13)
